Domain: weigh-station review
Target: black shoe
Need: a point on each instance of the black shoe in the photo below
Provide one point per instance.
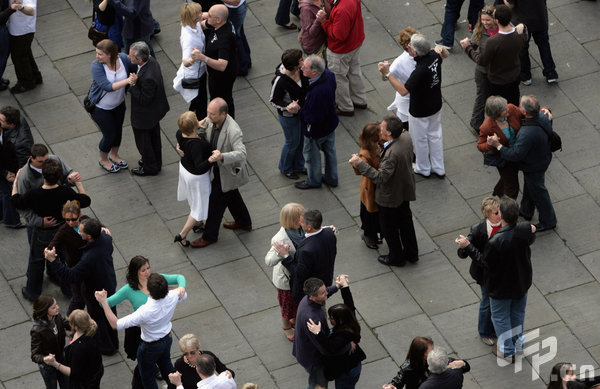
(182, 241)
(369, 242)
(26, 295)
(328, 184)
(422, 175)
(141, 163)
(291, 176)
(304, 185)
(4, 81)
(441, 43)
(385, 259)
(18, 88)
(528, 218)
(540, 228)
(344, 113)
(139, 171)
(301, 172)
(414, 259)
(440, 176)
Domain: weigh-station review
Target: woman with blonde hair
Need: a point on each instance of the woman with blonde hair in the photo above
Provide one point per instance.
(194, 178)
(83, 359)
(290, 233)
(186, 364)
(369, 212)
(401, 68)
(485, 28)
(192, 37)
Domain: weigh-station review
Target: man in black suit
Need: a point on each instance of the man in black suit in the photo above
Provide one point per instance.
(315, 255)
(148, 105)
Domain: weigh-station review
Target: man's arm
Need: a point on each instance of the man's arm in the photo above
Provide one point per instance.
(110, 315)
(23, 142)
(126, 11)
(378, 176)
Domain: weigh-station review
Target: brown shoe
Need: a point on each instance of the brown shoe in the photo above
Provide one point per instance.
(235, 226)
(200, 242)
(344, 113)
(359, 106)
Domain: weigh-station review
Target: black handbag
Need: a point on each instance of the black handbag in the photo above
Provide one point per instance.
(88, 104)
(191, 83)
(93, 34)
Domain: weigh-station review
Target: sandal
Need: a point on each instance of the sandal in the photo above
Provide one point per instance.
(113, 169)
(121, 165)
(286, 332)
(182, 241)
(198, 228)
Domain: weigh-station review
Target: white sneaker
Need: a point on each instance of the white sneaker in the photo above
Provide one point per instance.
(552, 80)
(526, 82)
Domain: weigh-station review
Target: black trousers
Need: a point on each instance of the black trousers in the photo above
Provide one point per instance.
(369, 221)
(399, 232)
(26, 69)
(508, 184)
(509, 91)
(149, 145)
(217, 203)
(199, 103)
(221, 85)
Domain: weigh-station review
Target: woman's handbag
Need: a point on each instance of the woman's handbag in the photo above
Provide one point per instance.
(94, 34)
(88, 104)
(191, 83)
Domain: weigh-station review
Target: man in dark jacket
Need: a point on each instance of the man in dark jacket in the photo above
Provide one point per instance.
(8, 168)
(96, 270)
(319, 121)
(395, 183)
(148, 106)
(532, 151)
(507, 277)
(315, 255)
(15, 129)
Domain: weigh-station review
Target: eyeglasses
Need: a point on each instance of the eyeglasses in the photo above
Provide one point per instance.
(488, 12)
(68, 219)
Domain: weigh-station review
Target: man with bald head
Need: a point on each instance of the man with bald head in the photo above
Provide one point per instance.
(219, 55)
(229, 173)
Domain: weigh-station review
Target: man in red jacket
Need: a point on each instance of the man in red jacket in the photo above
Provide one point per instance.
(342, 22)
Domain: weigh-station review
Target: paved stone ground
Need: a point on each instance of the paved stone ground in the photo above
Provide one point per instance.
(232, 305)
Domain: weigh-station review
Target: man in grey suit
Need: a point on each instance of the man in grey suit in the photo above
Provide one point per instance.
(395, 188)
(148, 105)
(229, 173)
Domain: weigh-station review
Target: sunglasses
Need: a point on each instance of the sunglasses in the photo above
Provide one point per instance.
(488, 12)
(68, 219)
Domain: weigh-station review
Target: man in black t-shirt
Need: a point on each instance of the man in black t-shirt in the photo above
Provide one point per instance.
(220, 55)
(424, 86)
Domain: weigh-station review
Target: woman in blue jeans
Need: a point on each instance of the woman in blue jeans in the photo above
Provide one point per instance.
(290, 85)
(111, 72)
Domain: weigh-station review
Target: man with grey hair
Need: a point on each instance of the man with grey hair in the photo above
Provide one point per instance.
(148, 106)
(446, 373)
(318, 122)
(532, 153)
(425, 107)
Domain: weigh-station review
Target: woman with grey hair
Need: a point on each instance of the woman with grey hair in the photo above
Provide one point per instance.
(503, 120)
(186, 364)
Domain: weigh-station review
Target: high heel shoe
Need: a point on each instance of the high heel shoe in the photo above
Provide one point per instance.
(182, 241)
(198, 228)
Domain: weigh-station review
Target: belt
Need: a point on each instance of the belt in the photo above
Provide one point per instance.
(159, 340)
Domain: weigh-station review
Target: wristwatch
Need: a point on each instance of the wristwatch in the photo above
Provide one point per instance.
(387, 76)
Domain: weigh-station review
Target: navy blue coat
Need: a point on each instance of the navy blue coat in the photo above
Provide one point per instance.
(532, 146)
(319, 107)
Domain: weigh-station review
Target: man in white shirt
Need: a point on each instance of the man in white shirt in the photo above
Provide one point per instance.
(21, 28)
(154, 319)
(205, 367)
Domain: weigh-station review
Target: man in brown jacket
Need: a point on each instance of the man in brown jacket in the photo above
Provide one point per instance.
(395, 188)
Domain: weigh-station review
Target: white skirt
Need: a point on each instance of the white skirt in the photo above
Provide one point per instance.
(196, 190)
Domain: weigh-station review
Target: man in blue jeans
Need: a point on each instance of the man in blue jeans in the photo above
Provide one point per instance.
(507, 277)
(318, 122)
(154, 319)
(451, 17)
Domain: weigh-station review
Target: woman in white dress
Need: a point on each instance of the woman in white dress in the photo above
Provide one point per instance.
(194, 177)
(192, 37)
(401, 68)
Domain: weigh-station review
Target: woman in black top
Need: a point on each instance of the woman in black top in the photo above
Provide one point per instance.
(287, 95)
(50, 198)
(413, 372)
(83, 359)
(48, 337)
(194, 178)
(344, 368)
(186, 364)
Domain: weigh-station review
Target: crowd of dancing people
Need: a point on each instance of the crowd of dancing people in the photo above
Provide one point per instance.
(310, 89)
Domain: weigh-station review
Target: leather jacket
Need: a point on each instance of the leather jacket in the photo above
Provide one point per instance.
(44, 341)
